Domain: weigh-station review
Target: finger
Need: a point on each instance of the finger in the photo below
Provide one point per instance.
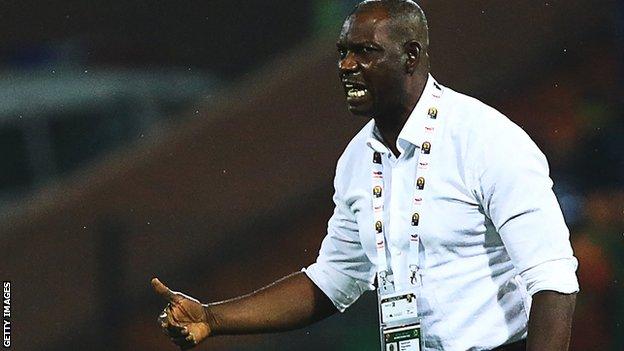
(190, 338)
(176, 331)
(188, 345)
(184, 342)
(163, 318)
(169, 326)
(187, 339)
(162, 290)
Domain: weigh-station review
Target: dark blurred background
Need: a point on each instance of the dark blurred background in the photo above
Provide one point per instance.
(196, 141)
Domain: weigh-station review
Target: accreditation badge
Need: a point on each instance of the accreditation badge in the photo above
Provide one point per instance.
(405, 338)
(399, 322)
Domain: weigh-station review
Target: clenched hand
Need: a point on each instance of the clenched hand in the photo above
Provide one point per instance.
(184, 320)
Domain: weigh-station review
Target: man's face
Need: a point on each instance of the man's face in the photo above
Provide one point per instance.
(372, 63)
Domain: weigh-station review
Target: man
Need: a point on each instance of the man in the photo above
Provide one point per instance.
(488, 256)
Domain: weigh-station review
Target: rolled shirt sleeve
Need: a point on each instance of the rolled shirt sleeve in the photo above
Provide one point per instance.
(342, 270)
(517, 196)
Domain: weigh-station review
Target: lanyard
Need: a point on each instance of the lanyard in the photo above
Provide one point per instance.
(423, 167)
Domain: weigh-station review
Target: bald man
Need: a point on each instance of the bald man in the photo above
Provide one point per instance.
(488, 260)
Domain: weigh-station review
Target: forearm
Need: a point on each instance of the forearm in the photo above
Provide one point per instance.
(550, 321)
(289, 303)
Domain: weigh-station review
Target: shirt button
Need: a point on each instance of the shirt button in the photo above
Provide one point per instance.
(397, 252)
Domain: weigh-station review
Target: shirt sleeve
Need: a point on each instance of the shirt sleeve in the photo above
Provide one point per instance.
(516, 193)
(342, 270)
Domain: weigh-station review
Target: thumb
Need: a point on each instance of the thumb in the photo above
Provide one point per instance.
(162, 290)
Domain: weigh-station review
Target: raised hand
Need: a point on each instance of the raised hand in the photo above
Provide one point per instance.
(184, 320)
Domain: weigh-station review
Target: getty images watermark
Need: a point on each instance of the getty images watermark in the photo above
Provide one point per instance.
(6, 314)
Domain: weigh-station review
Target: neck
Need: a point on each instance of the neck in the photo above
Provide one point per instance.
(390, 123)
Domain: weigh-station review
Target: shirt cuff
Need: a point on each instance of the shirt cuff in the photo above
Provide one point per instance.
(341, 289)
(557, 275)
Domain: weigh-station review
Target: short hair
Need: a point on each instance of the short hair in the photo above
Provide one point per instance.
(406, 12)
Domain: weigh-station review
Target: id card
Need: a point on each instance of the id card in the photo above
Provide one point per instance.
(399, 322)
(397, 307)
(406, 338)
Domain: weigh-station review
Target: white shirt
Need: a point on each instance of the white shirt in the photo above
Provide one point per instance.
(493, 233)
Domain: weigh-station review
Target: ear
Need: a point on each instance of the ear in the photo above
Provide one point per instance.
(413, 51)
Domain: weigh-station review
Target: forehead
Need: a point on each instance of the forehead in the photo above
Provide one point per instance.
(366, 25)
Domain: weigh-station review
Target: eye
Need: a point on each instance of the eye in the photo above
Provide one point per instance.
(342, 53)
(366, 50)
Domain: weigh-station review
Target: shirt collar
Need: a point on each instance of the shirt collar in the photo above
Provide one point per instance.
(411, 132)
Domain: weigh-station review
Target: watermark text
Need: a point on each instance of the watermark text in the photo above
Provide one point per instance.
(6, 314)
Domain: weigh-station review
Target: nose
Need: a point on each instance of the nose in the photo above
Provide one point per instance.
(347, 63)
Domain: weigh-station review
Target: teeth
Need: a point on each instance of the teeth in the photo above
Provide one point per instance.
(356, 92)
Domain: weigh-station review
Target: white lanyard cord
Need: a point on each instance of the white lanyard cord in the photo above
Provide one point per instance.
(420, 185)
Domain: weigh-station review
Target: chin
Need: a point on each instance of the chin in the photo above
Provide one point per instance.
(365, 111)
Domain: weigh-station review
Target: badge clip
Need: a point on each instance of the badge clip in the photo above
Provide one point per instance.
(414, 276)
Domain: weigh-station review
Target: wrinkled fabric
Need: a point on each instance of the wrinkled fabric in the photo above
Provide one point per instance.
(492, 233)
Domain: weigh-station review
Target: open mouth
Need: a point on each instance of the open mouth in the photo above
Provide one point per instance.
(355, 90)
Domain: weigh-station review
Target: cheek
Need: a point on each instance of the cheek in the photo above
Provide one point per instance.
(386, 84)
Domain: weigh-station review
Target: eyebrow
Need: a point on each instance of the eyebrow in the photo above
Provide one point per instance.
(342, 45)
